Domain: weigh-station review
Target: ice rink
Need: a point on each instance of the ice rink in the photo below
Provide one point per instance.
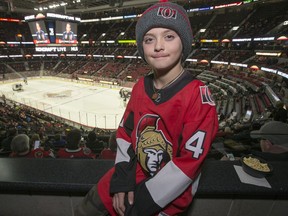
(91, 105)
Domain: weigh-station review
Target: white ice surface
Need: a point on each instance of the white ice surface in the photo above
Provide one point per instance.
(95, 106)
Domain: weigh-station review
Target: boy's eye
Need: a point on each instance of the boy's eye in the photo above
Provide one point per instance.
(170, 37)
(147, 40)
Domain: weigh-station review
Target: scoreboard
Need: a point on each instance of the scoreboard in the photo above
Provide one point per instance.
(53, 32)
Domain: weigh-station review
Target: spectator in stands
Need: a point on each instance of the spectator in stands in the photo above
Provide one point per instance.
(58, 141)
(167, 128)
(273, 137)
(33, 138)
(3, 96)
(6, 143)
(221, 116)
(94, 144)
(21, 147)
(73, 150)
(280, 114)
(110, 151)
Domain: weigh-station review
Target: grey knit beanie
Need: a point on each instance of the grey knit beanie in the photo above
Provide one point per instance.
(165, 15)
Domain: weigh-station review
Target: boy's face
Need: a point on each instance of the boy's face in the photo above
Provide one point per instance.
(162, 48)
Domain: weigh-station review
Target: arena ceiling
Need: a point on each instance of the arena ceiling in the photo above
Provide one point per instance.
(82, 6)
(73, 6)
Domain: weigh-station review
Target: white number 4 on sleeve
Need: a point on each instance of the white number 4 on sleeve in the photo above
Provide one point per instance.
(195, 144)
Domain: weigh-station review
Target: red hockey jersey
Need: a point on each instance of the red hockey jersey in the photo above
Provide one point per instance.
(77, 153)
(107, 154)
(36, 153)
(161, 146)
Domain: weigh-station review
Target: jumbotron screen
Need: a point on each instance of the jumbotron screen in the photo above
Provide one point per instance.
(66, 32)
(39, 32)
(53, 32)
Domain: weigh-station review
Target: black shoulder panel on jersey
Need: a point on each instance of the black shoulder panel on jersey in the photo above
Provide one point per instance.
(129, 123)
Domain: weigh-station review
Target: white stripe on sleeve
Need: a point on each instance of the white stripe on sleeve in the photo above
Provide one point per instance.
(168, 184)
(122, 148)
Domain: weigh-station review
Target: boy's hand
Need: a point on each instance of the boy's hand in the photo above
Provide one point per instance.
(119, 201)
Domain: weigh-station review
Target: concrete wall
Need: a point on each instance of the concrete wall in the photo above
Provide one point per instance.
(49, 205)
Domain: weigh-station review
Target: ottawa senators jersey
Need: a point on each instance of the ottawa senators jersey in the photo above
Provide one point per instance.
(107, 154)
(77, 153)
(162, 143)
(36, 153)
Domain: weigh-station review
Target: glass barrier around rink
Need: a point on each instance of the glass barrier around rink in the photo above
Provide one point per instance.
(74, 118)
(105, 121)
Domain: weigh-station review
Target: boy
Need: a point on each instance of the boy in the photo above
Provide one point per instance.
(167, 128)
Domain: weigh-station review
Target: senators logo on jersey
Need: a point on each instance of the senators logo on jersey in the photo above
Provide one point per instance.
(153, 148)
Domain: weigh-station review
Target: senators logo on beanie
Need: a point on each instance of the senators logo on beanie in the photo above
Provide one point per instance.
(165, 15)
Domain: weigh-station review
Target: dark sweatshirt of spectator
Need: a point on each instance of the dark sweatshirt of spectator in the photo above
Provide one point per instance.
(6, 143)
(94, 144)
